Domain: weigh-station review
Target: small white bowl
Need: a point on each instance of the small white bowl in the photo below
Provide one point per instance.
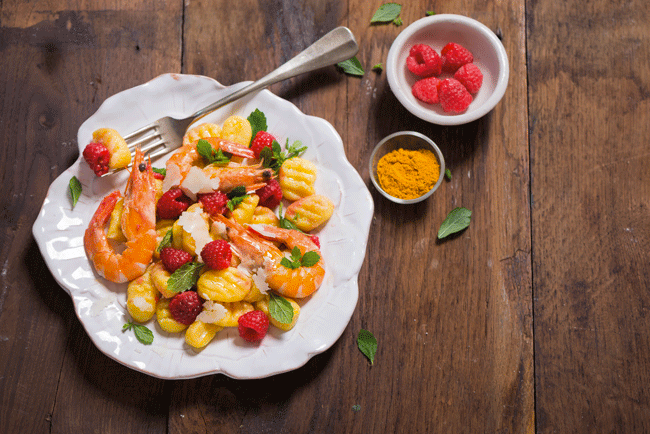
(406, 140)
(437, 31)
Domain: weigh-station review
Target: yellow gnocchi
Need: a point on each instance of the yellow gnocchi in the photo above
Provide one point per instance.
(165, 319)
(265, 216)
(310, 212)
(233, 312)
(199, 334)
(117, 147)
(263, 305)
(201, 131)
(227, 285)
(237, 129)
(160, 278)
(243, 213)
(297, 178)
(141, 298)
(114, 231)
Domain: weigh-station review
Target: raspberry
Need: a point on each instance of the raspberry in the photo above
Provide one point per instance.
(185, 307)
(173, 258)
(262, 140)
(426, 90)
(172, 204)
(97, 156)
(423, 61)
(217, 254)
(315, 240)
(470, 76)
(453, 96)
(159, 176)
(253, 325)
(270, 195)
(214, 203)
(454, 56)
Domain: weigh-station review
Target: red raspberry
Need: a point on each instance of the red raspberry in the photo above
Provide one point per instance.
(262, 140)
(214, 203)
(97, 156)
(454, 56)
(172, 204)
(315, 240)
(270, 195)
(217, 254)
(253, 325)
(159, 176)
(426, 90)
(173, 258)
(423, 61)
(453, 96)
(185, 307)
(470, 76)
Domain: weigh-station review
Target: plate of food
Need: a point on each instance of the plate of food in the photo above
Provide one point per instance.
(248, 270)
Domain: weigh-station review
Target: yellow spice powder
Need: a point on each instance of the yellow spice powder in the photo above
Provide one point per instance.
(408, 174)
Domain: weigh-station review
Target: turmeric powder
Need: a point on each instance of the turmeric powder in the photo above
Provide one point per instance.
(408, 174)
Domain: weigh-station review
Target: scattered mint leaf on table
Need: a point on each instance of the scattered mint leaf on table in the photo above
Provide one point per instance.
(185, 277)
(367, 344)
(457, 220)
(429, 13)
(387, 13)
(142, 333)
(378, 67)
(356, 407)
(398, 21)
(75, 190)
(257, 119)
(280, 309)
(448, 174)
(351, 66)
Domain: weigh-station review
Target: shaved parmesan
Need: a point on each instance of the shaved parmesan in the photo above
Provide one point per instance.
(194, 223)
(196, 182)
(212, 312)
(173, 177)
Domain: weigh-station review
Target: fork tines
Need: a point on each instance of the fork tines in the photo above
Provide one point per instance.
(146, 138)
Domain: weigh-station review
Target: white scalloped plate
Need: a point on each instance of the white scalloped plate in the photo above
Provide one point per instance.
(101, 305)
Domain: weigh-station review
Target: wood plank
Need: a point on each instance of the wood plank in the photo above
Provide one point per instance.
(455, 325)
(589, 128)
(58, 65)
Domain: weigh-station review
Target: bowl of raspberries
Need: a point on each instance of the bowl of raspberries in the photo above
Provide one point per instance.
(447, 69)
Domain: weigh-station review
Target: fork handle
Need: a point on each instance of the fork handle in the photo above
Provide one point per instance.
(336, 46)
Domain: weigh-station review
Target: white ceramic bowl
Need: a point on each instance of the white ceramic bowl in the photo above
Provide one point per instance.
(436, 31)
(410, 140)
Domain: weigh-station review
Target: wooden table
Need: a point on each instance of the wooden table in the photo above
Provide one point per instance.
(535, 319)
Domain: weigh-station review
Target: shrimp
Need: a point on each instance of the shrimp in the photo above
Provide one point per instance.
(252, 177)
(138, 225)
(188, 156)
(256, 249)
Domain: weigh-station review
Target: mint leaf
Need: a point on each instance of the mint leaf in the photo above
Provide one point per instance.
(240, 190)
(257, 119)
(309, 259)
(185, 277)
(429, 13)
(378, 67)
(74, 186)
(205, 150)
(165, 242)
(457, 220)
(398, 21)
(356, 408)
(280, 309)
(142, 333)
(162, 171)
(367, 344)
(351, 66)
(386, 13)
(232, 203)
(448, 174)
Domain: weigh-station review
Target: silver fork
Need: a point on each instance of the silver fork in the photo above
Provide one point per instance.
(166, 134)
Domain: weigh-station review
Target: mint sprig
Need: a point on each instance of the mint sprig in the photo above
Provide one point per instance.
(367, 344)
(274, 157)
(166, 241)
(257, 119)
(236, 196)
(387, 13)
(352, 67)
(309, 259)
(457, 220)
(205, 150)
(280, 309)
(142, 333)
(74, 186)
(184, 277)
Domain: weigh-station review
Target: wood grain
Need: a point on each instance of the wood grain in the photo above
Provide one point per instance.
(589, 123)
